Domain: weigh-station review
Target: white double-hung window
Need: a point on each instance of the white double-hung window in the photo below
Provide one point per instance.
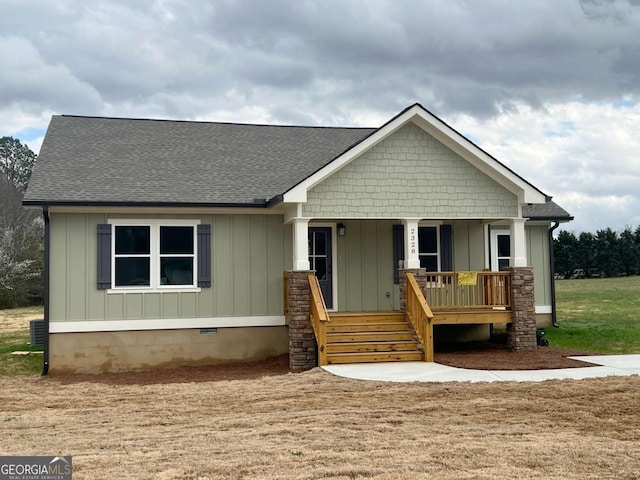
(154, 255)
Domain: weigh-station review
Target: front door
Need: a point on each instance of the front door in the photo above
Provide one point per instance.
(320, 260)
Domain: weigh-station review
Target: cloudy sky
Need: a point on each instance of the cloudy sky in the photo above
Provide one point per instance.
(549, 87)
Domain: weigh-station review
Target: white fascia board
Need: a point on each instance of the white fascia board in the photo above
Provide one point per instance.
(164, 324)
(442, 132)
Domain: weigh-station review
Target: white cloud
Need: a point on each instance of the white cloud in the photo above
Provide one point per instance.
(583, 154)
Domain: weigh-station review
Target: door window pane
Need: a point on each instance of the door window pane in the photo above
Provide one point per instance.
(321, 268)
(132, 271)
(133, 240)
(504, 246)
(321, 243)
(176, 240)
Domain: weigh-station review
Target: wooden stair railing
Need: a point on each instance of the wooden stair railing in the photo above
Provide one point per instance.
(319, 318)
(420, 316)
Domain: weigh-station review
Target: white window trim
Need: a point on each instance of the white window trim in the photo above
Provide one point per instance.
(154, 225)
(437, 226)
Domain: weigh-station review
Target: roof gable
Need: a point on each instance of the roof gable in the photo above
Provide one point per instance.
(442, 132)
(409, 174)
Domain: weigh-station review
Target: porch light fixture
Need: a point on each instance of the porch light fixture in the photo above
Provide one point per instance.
(342, 230)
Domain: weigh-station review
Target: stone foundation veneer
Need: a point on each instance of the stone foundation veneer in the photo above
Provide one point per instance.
(521, 332)
(302, 342)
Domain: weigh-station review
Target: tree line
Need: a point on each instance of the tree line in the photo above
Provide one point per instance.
(606, 253)
(21, 230)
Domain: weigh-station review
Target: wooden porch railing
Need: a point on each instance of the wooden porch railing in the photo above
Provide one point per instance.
(319, 318)
(420, 316)
(468, 290)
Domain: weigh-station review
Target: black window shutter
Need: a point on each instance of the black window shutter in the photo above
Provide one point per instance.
(204, 255)
(446, 248)
(104, 256)
(398, 250)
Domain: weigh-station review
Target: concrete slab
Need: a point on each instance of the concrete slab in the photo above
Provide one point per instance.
(627, 362)
(609, 365)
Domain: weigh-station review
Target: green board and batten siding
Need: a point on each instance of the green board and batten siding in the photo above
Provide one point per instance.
(468, 245)
(538, 258)
(365, 266)
(249, 254)
(410, 174)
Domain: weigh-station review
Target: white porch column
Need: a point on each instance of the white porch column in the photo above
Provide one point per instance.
(411, 249)
(301, 244)
(518, 242)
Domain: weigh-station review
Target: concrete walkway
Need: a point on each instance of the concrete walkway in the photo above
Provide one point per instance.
(605, 365)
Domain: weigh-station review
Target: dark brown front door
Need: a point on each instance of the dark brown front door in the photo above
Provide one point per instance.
(320, 260)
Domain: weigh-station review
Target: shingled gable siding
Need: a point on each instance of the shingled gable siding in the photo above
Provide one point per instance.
(248, 255)
(410, 174)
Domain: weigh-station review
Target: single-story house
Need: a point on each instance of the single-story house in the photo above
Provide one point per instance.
(180, 243)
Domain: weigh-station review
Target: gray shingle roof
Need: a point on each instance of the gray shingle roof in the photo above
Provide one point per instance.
(93, 160)
(108, 160)
(547, 211)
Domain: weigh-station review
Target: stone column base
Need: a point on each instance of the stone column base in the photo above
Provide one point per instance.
(521, 332)
(302, 342)
(421, 278)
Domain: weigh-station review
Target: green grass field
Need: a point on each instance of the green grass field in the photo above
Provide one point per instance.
(14, 336)
(18, 364)
(598, 315)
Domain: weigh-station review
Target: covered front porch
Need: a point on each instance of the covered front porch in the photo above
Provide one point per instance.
(362, 293)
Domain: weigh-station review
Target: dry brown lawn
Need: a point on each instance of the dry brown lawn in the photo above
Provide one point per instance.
(232, 422)
(17, 319)
(314, 425)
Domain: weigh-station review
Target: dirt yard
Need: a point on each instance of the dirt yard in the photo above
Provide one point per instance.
(258, 421)
(313, 425)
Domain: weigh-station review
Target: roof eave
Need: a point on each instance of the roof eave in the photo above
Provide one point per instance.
(258, 203)
(552, 218)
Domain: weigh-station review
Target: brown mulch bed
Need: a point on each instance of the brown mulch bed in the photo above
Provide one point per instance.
(496, 356)
(490, 355)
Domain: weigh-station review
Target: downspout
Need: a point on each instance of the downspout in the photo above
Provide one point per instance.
(47, 245)
(552, 270)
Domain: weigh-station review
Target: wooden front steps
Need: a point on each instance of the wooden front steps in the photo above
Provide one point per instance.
(371, 337)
